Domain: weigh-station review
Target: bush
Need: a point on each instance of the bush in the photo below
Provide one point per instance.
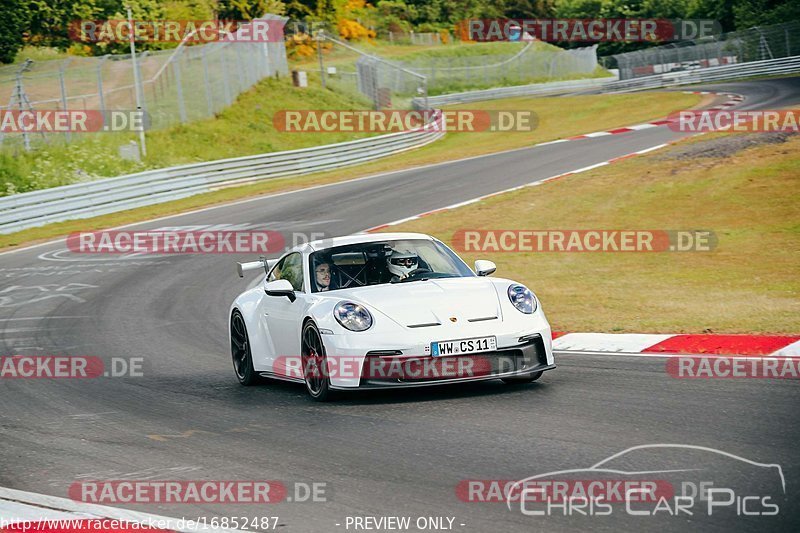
(354, 31)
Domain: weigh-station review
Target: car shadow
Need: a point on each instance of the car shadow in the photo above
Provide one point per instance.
(433, 393)
(212, 385)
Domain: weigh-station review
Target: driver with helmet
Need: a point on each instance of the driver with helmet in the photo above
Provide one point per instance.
(401, 264)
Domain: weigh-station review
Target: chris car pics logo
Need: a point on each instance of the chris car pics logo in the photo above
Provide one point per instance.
(668, 480)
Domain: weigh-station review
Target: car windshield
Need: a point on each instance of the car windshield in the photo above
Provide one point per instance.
(376, 263)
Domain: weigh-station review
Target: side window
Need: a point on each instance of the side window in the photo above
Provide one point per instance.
(289, 268)
(275, 273)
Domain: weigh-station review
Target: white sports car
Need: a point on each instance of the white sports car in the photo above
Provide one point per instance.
(384, 310)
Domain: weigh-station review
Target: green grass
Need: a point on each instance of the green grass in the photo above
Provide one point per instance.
(39, 53)
(558, 118)
(245, 128)
(748, 284)
(407, 52)
(468, 50)
(457, 86)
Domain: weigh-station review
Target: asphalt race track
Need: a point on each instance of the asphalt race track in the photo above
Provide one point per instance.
(398, 453)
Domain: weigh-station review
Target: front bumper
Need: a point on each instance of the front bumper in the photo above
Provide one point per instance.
(381, 370)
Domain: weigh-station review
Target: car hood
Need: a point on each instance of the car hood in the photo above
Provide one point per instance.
(419, 303)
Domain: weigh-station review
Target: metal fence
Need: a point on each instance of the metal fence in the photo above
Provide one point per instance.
(178, 85)
(535, 60)
(770, 67)
(84, 200)
(348, 69)
(755, 44)
(534, 89)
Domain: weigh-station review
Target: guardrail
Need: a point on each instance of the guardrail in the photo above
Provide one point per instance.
(787, 65)
(84, 200)
(544, 89)
(768, 67)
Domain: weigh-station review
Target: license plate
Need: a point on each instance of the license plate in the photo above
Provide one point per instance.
(463, 346)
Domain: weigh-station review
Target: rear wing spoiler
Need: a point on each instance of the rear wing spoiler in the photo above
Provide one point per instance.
(262, 262)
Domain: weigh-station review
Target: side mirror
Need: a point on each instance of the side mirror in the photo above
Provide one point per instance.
(280, 287)
(484, 267)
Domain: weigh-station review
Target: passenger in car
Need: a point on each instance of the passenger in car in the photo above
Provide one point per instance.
(322, 276)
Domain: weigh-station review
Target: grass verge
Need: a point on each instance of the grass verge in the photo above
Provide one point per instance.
(245, 128)
(558, 118)
(748, 284)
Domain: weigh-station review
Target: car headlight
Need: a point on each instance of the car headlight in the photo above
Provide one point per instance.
(522, 298)
(352, 316)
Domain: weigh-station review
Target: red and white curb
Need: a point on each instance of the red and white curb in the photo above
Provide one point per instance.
(28, 512)
(732, 100)
(654, 344)
(617, 131)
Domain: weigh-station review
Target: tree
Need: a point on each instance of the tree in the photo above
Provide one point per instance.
(749, 13)
(15, 18)
(518, 9)
(248, 9)
(621, 9)
(50, 20)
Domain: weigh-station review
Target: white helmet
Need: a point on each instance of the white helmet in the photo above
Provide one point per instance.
(401, 264)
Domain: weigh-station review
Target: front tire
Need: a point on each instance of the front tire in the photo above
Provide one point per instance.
(521, 380)
(240, 351)
(315, 373)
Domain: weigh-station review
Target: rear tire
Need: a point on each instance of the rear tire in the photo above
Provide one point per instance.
(521, 380)
(240, 352)
(315, 374)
